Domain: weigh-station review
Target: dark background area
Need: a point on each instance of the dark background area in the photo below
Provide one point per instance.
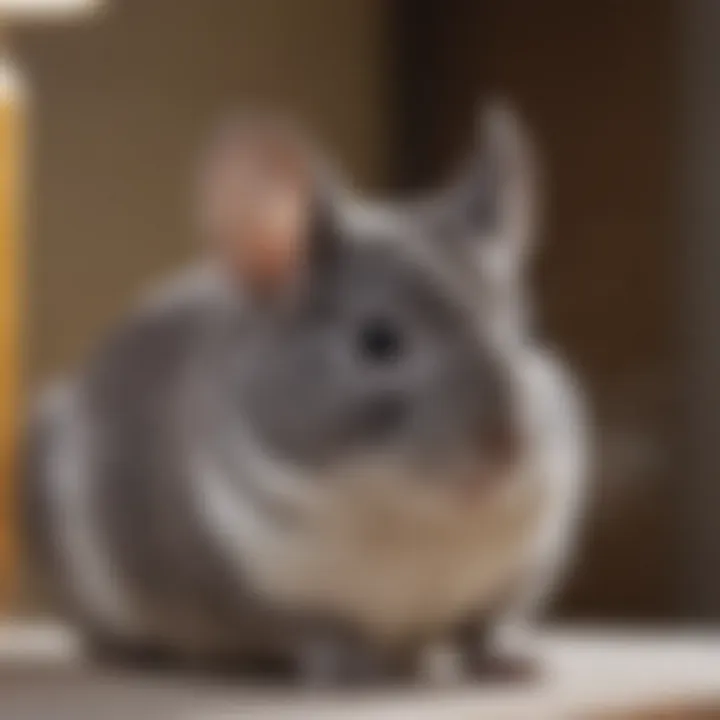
(123, 103)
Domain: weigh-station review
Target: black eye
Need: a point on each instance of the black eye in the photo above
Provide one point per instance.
(380, 341)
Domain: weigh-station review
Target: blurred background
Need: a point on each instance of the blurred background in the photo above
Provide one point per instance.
(623, 97)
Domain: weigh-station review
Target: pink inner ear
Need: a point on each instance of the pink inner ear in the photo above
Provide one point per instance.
(271, 252)
(256, 205)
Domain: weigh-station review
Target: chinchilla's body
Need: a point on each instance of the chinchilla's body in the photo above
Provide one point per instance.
(338, 445)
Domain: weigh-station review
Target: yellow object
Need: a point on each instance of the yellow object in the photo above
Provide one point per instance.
(12, 111)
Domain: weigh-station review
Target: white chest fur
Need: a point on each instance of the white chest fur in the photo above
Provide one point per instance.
(400, 573)
(395, 565)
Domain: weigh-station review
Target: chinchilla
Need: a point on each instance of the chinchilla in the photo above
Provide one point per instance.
(332, 444)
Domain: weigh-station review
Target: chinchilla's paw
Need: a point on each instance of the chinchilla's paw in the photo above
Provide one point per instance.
(342, 661)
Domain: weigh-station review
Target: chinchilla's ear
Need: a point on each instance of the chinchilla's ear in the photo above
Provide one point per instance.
(258, 200)
(496, 201)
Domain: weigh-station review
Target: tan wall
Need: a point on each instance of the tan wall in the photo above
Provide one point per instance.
(122, 105)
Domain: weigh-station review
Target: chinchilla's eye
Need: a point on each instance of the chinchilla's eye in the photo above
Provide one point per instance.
(380, 340)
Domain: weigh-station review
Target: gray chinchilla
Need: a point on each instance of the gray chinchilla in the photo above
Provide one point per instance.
(334, 444)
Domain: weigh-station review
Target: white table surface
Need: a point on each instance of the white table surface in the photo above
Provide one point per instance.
(587, 673)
